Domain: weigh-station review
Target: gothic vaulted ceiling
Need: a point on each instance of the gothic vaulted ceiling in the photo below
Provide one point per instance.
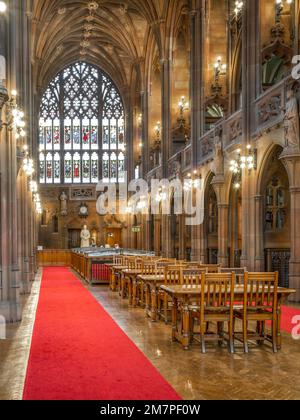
(115, 35)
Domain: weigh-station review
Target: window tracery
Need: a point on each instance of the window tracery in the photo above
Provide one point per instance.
(82, 128)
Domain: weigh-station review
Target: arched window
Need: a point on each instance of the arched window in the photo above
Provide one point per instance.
(82, 128)
(276, 205)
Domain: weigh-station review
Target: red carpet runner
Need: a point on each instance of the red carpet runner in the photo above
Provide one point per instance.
(79, 353)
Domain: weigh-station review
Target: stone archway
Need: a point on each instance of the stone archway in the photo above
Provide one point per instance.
(276, 216)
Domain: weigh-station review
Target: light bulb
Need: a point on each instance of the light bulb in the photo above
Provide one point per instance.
(14, 93)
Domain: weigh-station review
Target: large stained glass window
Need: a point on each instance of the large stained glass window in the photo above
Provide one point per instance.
(82, 129)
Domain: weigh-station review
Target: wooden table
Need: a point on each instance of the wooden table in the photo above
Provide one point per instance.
(128, 276)
(115, 269)
(151, 285)
(186, 294)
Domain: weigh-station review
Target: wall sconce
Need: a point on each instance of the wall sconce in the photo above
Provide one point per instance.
(16, 116)
(37, 202)
(279, 8)
(242, 162)
(158, 131)
(28, 166)
(238, 8)
(3, 7)
(220, 69)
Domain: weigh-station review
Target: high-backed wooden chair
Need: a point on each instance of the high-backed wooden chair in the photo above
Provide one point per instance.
(211, 268)
(260, 304)
(192, 276)
(173, 276)
(216, 306)
(148, 269)
(239, 273)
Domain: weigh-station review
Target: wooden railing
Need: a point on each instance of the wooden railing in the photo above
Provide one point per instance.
(54, 258)
(92, 269)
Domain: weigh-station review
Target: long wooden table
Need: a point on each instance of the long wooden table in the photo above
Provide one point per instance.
(151, 284)
(115, 270)
(186, 294)
(128, 277)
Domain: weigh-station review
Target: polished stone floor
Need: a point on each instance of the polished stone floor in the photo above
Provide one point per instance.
(216, 375)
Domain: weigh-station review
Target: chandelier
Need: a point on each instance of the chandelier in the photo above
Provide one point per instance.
(242, 162)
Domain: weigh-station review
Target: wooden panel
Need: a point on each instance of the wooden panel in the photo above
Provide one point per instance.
(54, 258)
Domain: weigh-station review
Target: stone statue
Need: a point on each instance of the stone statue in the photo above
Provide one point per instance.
(85, 237)
(219, 157)
(63, 204)
(291, 121)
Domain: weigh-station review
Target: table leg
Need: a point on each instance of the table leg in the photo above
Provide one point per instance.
(134, 293)
(142, 296)
(147, 293)
(174, 319)
(279, 337)
(129, 282)
(122, 291)
(186, 326)
(113, 281)
(154, 305)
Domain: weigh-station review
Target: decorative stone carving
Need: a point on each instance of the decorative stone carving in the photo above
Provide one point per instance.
(270, 109)
(63, 204)
(207, 146)
(83, 194)
(219, 156)
(235, 129)
(291, 122)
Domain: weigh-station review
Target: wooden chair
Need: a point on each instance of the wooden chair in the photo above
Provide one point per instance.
(260, 304)
(148, 268)
(192, 276)
(211, 268)
(239, 273)
(173, 276)
(216, 306)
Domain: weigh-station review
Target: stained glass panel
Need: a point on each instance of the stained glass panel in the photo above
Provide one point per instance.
(76, 168)
(68, 168)
(49, 168)
(70, 115)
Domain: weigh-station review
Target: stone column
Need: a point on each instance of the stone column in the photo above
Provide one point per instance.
(292, 165)
(259, 262)
(197, 97)
(251, 71)
(223, 214)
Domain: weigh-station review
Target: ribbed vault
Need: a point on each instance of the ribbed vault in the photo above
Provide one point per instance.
(114, 35)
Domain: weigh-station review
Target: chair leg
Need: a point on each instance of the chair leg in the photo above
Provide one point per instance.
(221, 333)
(231, 337)
(202, 337)
(245, 335)
(166, 308)
(274, 336)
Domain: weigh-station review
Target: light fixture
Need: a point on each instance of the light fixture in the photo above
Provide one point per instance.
(242, 162)
(279, 5)
(28, 166)
(238, 8)
(3, 7)
(220, 69)
(33, 186)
